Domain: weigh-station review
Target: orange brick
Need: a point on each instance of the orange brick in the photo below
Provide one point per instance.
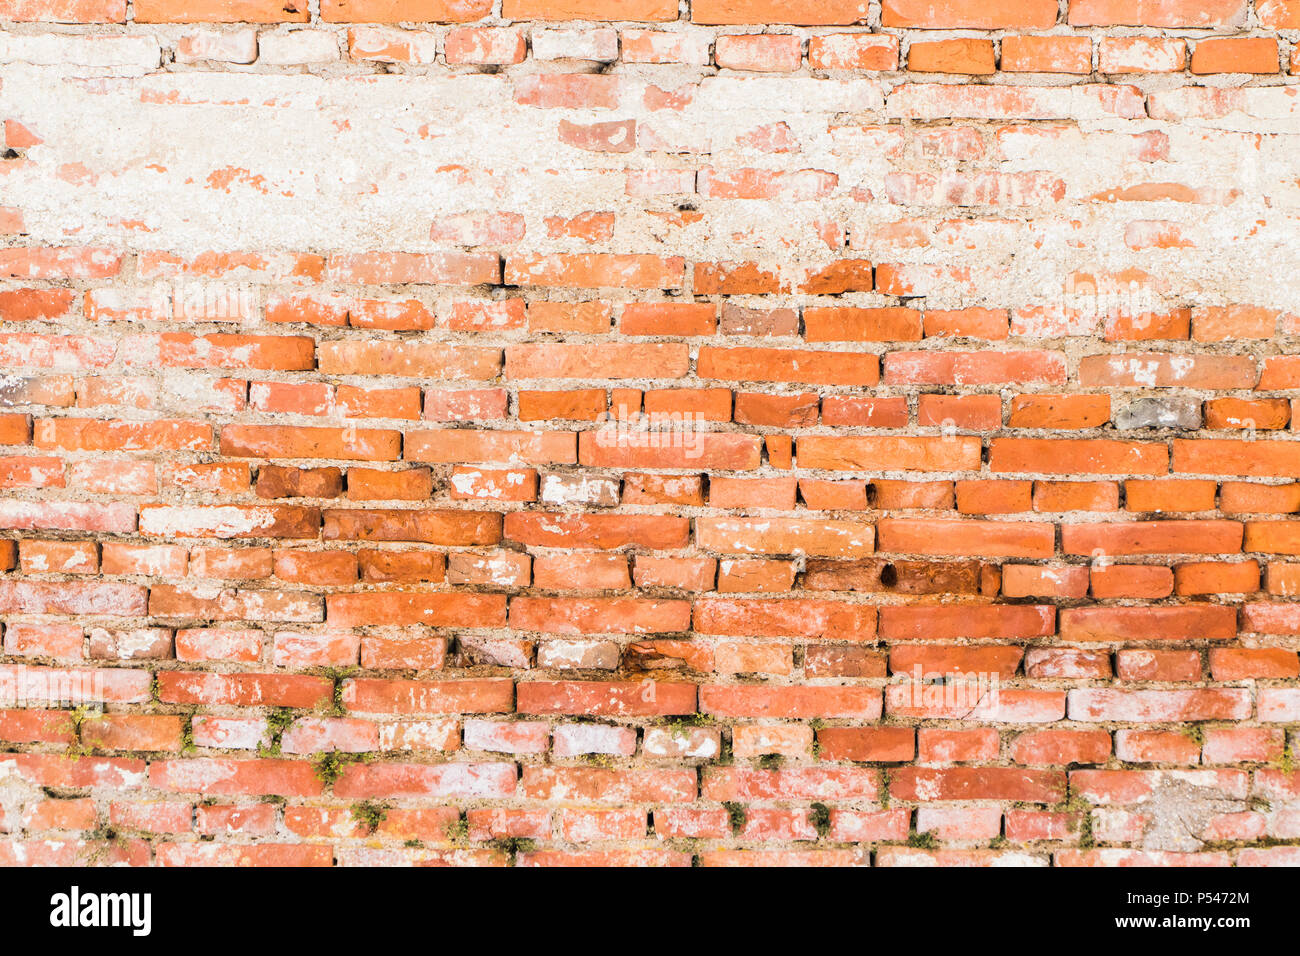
(1030, 54)
(968, 55)
(1235, 55)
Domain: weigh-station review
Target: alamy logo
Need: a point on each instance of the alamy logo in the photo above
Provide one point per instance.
(75, 909)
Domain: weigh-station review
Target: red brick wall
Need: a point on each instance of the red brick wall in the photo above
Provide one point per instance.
(649, 432)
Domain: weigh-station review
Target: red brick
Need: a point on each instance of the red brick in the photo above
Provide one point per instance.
(974, 368)
(429, 609)
(1189, 622)
(853, 51)
(1077, 456)
(1158, 705)
(605, 698)
(977, 783)
(940, 536)
(1157, 13)
(1059, 411)
(781, 365)
(1032, 54)
(971, 14)
(1235, 55)
(965, 55)
(1158, 665)
(588, 10)
(1152, 537)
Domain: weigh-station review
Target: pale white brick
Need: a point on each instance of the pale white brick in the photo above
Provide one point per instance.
(723, 94)
(300, 46)
(392, 46)
(581, 655)
(238, 46)
(579, 489)
(600, 45)
(117, 54)
(573, 740)
(660, 46)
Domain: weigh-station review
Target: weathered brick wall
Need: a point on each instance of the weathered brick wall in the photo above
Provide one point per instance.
(643, 431)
